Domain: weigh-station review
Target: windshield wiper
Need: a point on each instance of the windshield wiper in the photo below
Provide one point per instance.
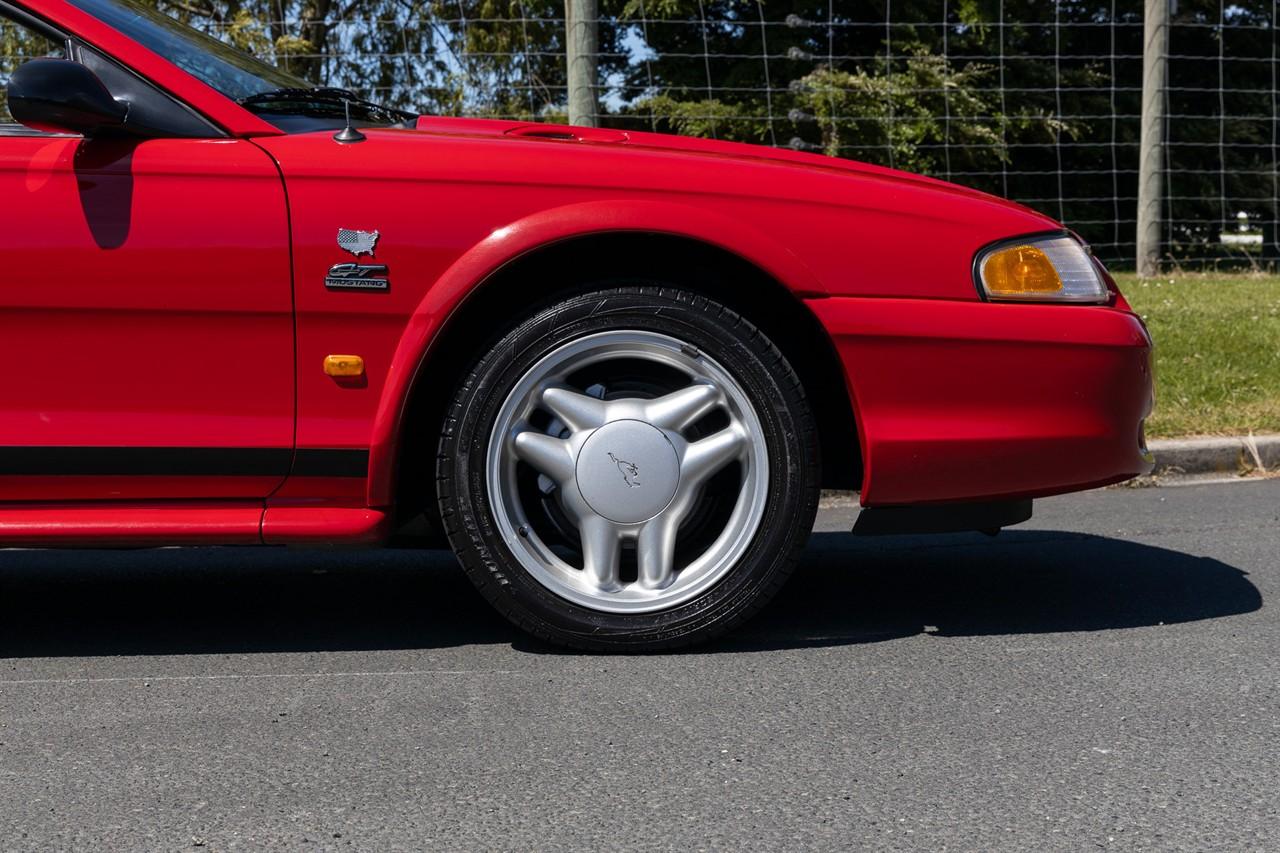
(328, 97)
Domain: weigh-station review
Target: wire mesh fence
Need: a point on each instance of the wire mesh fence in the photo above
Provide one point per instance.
(1036, 101)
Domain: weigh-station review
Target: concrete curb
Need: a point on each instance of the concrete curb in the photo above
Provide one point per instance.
(1236, 455)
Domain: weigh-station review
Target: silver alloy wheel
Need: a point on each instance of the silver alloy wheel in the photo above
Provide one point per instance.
(621, 469)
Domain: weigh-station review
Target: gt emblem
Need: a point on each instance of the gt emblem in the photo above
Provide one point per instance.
(630, 473)
(357, 277)
(358, 242)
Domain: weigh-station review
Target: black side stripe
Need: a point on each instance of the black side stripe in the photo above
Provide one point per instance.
(330, 463)
(181, 462)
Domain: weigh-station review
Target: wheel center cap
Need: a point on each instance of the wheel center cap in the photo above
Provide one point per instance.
(628, 471)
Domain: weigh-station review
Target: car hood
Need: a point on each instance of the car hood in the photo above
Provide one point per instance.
(688, 145)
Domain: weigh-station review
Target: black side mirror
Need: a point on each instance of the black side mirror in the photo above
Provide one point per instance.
(60, 96)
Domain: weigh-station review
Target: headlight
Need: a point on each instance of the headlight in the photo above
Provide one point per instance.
(1040, 269)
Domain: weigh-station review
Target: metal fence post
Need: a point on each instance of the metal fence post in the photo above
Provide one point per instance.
(1155, 58)
(582, 42)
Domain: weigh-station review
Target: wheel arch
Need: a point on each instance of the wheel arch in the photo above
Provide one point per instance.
(454, 330)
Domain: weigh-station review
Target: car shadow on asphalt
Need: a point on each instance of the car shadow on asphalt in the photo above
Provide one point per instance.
(855, 589)
(847, 590)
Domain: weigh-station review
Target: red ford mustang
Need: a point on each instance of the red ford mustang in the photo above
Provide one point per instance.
(611, 369)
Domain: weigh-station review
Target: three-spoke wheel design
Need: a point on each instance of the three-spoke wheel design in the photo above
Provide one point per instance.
(628, 468)
(626, 471)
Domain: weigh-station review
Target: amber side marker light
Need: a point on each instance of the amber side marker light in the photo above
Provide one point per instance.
(1056, 268)
(344, 365)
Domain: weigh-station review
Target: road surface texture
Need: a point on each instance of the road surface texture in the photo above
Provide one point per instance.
(1106, 676)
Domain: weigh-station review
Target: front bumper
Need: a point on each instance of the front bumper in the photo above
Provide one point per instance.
(965, 401)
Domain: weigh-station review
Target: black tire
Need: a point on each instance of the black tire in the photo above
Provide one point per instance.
(774, 391)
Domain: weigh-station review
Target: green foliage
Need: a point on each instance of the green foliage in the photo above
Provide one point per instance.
(17, 45)
(1217, 352)
(501, 51)
(439, 56)
(904, 117)
(244, 32)
(709, 117)
(1056, 119)
(904, 112)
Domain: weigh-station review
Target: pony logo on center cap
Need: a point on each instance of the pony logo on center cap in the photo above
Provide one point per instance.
(630, 472)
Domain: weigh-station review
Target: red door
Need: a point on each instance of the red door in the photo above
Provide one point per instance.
(146, 319)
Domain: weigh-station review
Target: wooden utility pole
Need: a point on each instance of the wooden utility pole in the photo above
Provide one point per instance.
(1151, 150)
(582, 44)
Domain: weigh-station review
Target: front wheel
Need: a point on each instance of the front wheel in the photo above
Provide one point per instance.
(631, 469)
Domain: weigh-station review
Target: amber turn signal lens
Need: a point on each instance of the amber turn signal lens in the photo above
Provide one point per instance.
(1020, 270)
(344, 365)
(1053, 268)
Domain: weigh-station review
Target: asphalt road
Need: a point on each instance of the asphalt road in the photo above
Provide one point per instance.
(1105, 676)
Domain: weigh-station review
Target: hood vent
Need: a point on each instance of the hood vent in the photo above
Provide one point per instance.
(568, 133)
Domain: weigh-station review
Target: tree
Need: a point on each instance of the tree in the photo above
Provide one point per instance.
(17, 45)
(474, 56)
(1037, 101)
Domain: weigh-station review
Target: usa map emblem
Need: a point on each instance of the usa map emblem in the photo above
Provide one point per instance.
(358, 242)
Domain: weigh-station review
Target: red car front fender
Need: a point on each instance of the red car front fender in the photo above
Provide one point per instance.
(509, 242)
